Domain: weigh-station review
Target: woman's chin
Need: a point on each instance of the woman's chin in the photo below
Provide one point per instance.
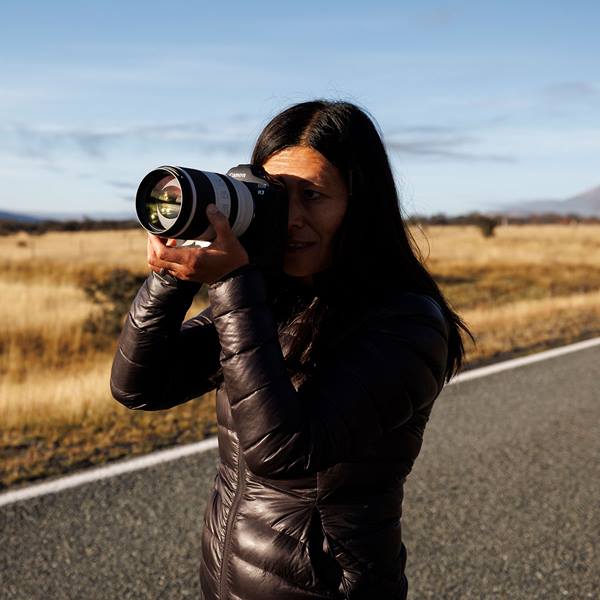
(303, 275)
(303, 272)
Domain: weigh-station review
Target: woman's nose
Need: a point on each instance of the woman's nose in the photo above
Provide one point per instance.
(296, 216)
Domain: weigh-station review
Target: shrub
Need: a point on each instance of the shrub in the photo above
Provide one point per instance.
(487, 225)
(113, 293)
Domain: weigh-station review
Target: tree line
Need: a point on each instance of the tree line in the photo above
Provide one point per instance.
(485, 221)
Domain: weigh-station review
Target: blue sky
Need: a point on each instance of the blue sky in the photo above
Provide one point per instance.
(480, 103)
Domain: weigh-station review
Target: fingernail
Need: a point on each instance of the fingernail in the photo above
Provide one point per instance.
(212, 209)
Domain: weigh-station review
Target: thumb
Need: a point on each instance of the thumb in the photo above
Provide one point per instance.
(219, 221)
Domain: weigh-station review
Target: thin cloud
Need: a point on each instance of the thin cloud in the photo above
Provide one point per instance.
(451, 147)
(441, 15)
(43, 143)
(431, 142)
(423, 130)
(121, 185)
(125, 190)
(571, 90)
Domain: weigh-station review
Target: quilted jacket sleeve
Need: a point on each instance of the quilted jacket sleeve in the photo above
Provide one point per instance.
(159, 363)
(390, 368)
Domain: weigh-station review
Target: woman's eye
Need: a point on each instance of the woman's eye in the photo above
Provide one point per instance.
(311, 194)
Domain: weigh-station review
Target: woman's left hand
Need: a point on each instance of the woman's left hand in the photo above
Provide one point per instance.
(193, 263)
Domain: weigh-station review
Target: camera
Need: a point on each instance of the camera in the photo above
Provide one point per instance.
(171, 202)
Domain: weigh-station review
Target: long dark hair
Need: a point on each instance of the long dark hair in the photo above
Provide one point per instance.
(373, 248)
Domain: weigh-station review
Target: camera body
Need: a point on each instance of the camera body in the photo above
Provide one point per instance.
(171, 202)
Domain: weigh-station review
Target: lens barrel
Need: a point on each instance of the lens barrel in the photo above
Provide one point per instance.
(172, 201)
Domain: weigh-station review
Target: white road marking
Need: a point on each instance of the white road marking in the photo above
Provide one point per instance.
(513, 363)
(106, 471)
(162, 456)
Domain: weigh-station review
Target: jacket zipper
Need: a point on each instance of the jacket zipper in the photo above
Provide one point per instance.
(230, 522)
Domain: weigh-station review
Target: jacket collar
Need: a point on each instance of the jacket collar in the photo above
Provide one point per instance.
(323, 285)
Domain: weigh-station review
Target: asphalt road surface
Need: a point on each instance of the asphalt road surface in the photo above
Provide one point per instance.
(503, 502)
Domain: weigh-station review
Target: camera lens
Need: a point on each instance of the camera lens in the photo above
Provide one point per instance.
(164, 203)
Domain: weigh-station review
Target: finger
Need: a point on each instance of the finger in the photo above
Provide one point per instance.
(150, 250)
(157, 264)
(164, 252)
(219, 222)
(158, 238)
(154, 242)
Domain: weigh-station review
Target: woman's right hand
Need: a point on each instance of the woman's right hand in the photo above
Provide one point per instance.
(193, 263)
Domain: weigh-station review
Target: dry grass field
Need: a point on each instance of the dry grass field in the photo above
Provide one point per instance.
(527, 288)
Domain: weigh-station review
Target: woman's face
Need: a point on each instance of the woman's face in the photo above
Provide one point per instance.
(318, 198)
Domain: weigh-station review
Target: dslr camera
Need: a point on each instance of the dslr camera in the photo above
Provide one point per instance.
(171, 202)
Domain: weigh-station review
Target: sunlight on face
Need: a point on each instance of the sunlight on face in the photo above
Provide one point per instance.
(318, 198)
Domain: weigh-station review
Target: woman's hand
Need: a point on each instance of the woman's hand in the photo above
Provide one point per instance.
(193, 263)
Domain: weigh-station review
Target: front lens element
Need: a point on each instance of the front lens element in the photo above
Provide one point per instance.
(164, 203)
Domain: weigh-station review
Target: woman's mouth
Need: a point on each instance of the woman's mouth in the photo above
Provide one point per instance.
(298, 246)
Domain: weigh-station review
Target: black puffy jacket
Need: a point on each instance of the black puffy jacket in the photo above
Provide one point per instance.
(307, 499)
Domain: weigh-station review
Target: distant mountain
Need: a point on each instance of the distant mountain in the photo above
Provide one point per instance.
(586, 204)
(10, 216)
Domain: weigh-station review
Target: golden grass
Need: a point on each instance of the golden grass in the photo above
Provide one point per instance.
(533, 324)
(71, 395)
(60, 257)
(515, 244)
(41, 327)
(519, 262)
(525, 289)
(32, 305)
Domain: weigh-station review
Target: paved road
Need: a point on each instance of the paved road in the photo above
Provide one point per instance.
(504, 502)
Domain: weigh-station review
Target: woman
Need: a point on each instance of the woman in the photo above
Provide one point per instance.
(325, 377)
